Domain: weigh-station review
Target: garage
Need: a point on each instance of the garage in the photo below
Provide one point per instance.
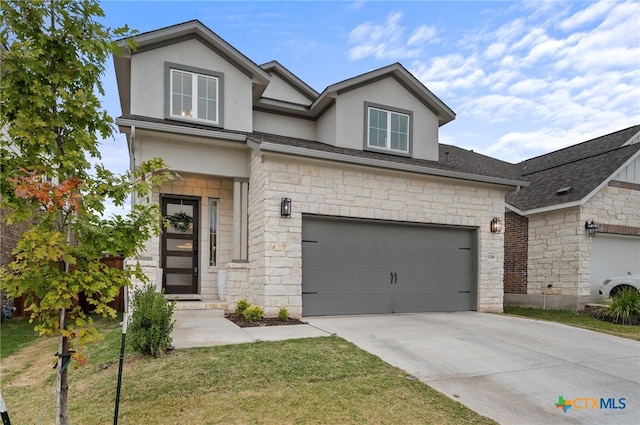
(355, 266)
(613, 255)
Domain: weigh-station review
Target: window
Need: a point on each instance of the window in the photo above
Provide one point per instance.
(388, 130)
(213, 232)
(194, 94)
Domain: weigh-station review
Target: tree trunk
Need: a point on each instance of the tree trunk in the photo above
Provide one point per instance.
(62, 385)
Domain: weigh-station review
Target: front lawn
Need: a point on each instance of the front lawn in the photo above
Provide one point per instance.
(305, 381)
(577, 319)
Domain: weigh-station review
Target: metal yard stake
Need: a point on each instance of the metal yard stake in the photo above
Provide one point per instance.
(122, 346)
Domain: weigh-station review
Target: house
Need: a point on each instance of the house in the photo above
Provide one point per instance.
(338, 202)
(576, 224)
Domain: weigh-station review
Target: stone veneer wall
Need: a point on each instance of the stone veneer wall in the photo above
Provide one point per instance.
(516, 247)
(205, 188)
(618, 204)
(560, 251)
(275, 246)
(559, 254)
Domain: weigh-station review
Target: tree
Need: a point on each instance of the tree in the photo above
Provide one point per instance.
(52, 57)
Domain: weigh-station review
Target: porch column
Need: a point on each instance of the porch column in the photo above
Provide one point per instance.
(240, 220)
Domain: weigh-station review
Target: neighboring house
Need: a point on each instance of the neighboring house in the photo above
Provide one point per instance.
(550, 257)
(324, 203)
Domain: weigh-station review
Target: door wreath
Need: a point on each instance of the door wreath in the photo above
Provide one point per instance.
(180, 221)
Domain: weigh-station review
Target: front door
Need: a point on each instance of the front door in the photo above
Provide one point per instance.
(180, 245)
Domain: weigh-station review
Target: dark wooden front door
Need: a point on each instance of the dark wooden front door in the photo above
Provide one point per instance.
(180, 246)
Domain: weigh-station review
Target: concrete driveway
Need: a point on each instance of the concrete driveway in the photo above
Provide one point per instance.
(507, 368)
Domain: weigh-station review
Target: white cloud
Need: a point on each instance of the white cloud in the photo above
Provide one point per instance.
(528, 87)
(495, 50)
(386, 41)
(422, 34)
(587, 15)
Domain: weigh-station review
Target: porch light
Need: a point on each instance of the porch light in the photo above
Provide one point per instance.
(591, 228)
(496, 225)
(285, 207)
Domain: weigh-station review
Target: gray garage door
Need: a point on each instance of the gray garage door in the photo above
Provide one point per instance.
(359, 266)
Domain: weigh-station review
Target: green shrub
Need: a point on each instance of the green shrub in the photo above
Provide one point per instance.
(254, 313)
(241, 306)
(151, 321)
(283, 314)
(623, 309)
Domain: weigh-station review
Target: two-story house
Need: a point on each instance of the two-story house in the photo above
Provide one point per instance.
(337, 202)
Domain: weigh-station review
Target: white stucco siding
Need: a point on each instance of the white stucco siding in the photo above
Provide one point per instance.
(148, 82)
(281, 90)
(284, 125)
(350, 113)
(326, 127)
(190, 157)
(275, 247)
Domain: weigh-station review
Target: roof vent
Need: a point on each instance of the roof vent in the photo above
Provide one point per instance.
(564, 190)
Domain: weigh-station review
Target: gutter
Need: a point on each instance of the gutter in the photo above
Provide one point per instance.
(370, 162)
(168, 128)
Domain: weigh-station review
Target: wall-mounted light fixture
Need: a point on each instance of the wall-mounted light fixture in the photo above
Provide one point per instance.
(591, 227)
(496, 225)
(285, 207)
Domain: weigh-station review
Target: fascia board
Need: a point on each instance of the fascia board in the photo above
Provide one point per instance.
(633, 139)
(286, 106)
(291, 78)
(444, 113)
(165, 35)
(546, 209)
(168, 128)
(337, 157)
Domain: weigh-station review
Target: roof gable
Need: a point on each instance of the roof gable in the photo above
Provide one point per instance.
(572, 175)
(400, 74)
(295, 83)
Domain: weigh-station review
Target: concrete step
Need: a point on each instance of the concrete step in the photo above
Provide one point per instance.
(195, 302)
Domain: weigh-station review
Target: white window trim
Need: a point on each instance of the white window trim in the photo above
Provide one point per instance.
(388, 111)
(195, 72)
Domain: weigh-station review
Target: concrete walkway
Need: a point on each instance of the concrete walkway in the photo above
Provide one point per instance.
(206, 328)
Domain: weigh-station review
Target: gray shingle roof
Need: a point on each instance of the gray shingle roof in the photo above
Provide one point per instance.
(581, 167)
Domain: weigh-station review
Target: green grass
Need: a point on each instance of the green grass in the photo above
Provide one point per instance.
(15, 334)
(305, 381)
(579, 320)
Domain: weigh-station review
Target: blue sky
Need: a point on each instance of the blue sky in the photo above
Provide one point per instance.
(524, 78)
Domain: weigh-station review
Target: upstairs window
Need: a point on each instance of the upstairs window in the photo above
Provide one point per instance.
(194, 95)
(388, 130)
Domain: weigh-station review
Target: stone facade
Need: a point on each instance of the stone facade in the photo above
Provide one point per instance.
(275, 246)
(618, 204)
(559, 254)
(559, 250)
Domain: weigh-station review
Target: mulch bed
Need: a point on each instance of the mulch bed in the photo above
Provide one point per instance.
(268, 321)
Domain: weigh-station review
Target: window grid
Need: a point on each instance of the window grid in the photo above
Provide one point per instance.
(202, 106)
(388, 130)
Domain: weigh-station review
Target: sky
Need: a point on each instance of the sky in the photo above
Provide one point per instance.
(524, 78)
